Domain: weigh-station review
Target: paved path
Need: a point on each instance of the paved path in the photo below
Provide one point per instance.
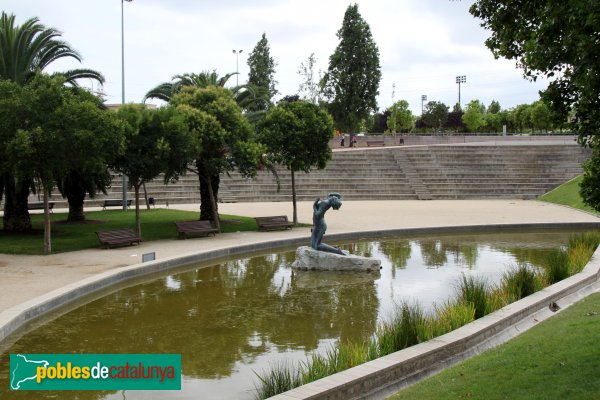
(25, 277)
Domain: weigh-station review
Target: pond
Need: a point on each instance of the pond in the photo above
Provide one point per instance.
(231, 320)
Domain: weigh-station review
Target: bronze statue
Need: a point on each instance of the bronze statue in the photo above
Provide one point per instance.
(319, 226)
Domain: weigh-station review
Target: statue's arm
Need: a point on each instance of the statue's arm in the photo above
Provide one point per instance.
(316, 204)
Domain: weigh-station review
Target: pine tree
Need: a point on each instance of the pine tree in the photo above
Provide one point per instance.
(352, 79)
(262, 69)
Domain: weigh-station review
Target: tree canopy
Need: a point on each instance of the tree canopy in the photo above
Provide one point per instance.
(31, 47)
(351, 83)
(49, 129)
(556, 39)
(224, 139)
(262, 70)
(297, 135)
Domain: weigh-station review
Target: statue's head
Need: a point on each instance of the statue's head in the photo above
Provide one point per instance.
(335, 200)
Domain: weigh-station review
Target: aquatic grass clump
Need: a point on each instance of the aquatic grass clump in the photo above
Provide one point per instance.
(451, 316)
(557, 266)
(476, 292)
(519, 282)
(580, 249)
(402, 331)
(280, 378)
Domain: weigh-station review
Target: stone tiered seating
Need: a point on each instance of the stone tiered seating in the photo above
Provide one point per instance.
(392, 173)
(465, 172)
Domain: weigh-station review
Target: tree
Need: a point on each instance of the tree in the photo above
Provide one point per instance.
(224, 140)
(494, 107)
(53, 126)
(541, 116)
(556, 39)
(310, 88)
(25, 50)
(522, 115)
(157, 141)
(165, 91)
(297, 135)
(351, 82)
(474, 116)
(247, 96)
(435, 115)
(89, 159)
(401, 118)
(590, 184)
(262, 70)
(454, 120)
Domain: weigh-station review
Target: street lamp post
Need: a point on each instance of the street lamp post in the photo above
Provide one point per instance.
(423, 100)
(237, 54)
(124, 177)
(460, 79)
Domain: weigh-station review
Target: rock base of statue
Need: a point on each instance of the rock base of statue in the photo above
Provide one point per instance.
(309, 259)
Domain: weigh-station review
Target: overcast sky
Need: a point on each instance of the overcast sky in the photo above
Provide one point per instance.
(423, 44)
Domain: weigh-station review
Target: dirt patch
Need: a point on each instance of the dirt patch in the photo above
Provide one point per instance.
(3, 264)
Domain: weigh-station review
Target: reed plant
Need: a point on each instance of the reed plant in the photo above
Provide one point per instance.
(280, 378)
(580, 249)
(476, 292)
(444, 319)
(557, 266)
(519, 282)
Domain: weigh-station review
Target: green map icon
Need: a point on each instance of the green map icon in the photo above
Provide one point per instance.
(23, 369)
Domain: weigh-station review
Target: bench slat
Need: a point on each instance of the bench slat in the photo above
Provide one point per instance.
(273, 223)
(118, 236)
(184, 228)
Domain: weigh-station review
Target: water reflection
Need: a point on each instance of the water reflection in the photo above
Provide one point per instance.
(231, 319)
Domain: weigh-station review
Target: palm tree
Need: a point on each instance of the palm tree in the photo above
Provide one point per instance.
(245, 95)
(26, 50)
(29, 48)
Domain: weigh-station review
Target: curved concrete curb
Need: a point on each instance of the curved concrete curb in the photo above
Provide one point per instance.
(386, 375)
(19, 316)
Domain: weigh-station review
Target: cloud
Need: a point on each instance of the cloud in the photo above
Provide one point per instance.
(423, 44)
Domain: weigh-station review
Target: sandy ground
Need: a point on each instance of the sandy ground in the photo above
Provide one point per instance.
(23, 278)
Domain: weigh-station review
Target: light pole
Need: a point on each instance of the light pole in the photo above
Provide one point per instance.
(237, 55)
(460, 79)
(423, 100)
(124, 177)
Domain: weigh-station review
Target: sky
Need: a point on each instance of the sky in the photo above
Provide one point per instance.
(423, 44)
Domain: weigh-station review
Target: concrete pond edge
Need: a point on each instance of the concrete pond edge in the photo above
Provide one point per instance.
(375, 378)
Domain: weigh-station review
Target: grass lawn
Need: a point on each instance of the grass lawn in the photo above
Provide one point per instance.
(156, 224)
(558, 359)
(567, 194)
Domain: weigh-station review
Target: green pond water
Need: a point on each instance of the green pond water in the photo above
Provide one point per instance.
(232, 319)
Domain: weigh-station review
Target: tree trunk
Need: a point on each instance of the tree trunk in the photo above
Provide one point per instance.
(47, 226)
(206, 206)
(75, 197)
(294, 198)
(1, 187)
(16, 215)
(213, 204)
(138, 225)
(146, 196)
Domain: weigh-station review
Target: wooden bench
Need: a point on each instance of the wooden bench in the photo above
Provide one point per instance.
(375, 143)
(273, 223)
(115, 203)
(115, 237)
(194, 228)
(40, 206)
